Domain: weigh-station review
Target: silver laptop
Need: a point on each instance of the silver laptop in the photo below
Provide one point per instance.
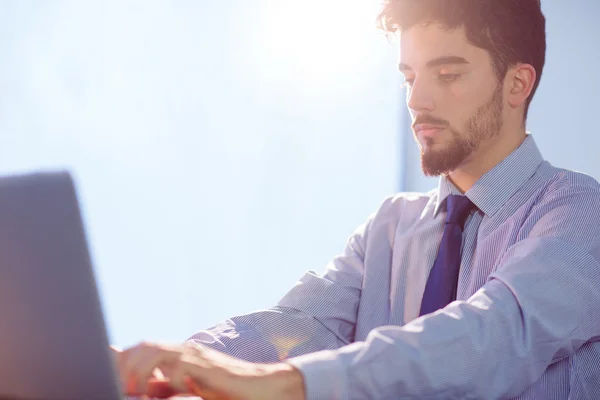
(53, 341)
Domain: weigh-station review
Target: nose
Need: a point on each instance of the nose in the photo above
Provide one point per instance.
(419, 97)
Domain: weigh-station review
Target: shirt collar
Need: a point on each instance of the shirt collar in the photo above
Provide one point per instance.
(495, 187)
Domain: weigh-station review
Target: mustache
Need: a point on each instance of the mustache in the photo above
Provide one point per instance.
(429, 120)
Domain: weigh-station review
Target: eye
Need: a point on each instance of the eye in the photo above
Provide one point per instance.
(447, 78)
(408, 82)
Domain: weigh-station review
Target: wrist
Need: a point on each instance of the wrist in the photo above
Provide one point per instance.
(288, 381)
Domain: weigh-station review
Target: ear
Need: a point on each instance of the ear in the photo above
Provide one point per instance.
(520, 81)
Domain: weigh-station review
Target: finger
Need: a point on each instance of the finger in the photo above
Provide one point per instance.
(161, 389)
(139, 355)
(131, 387)
(165, 377)
(175, 374)
(146, 366)
(130, 358)
(193, 387)
(129, 362)
(209, 377)
(206, 394)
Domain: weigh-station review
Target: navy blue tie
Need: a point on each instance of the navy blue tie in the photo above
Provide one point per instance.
(440, 289)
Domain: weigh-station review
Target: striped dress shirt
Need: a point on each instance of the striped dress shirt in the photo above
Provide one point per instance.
(526, 322)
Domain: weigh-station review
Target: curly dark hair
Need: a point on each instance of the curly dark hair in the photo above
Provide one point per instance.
(512, 31)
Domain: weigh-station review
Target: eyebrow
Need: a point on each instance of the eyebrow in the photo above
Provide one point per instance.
(436, 62)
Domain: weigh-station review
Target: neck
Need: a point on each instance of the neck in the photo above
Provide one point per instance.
(485, 158)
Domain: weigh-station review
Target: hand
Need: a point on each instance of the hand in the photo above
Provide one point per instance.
(198, 370)
(158, 386)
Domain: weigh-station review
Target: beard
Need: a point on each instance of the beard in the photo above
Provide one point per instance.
(484, 124)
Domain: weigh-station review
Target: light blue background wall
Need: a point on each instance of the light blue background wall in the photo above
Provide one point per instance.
(221, 148)
(563, 115)
(218, 155)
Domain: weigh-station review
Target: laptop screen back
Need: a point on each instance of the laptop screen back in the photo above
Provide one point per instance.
(53, 342)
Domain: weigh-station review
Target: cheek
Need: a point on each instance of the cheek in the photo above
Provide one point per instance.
(454, 106)
(460, 103)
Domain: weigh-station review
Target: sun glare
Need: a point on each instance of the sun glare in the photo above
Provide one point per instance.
(316, 40)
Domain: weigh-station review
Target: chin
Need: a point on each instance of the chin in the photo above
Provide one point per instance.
(434, 148)
(442, 161)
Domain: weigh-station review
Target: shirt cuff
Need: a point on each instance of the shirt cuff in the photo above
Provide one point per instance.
(325, 376)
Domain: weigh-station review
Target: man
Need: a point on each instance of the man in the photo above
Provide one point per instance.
(487, 287)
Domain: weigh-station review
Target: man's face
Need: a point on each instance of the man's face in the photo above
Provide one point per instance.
(453, 95)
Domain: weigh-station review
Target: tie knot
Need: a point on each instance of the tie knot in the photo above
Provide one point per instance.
(458, 209)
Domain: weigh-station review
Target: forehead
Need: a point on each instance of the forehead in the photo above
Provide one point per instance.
(423, 43)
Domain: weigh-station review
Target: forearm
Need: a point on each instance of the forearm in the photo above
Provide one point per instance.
(465, 351)
(268, 336)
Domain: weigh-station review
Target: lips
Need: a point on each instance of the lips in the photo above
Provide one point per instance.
(427, 129)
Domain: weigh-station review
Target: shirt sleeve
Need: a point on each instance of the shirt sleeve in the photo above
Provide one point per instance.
(318, 313)
(541, 305)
